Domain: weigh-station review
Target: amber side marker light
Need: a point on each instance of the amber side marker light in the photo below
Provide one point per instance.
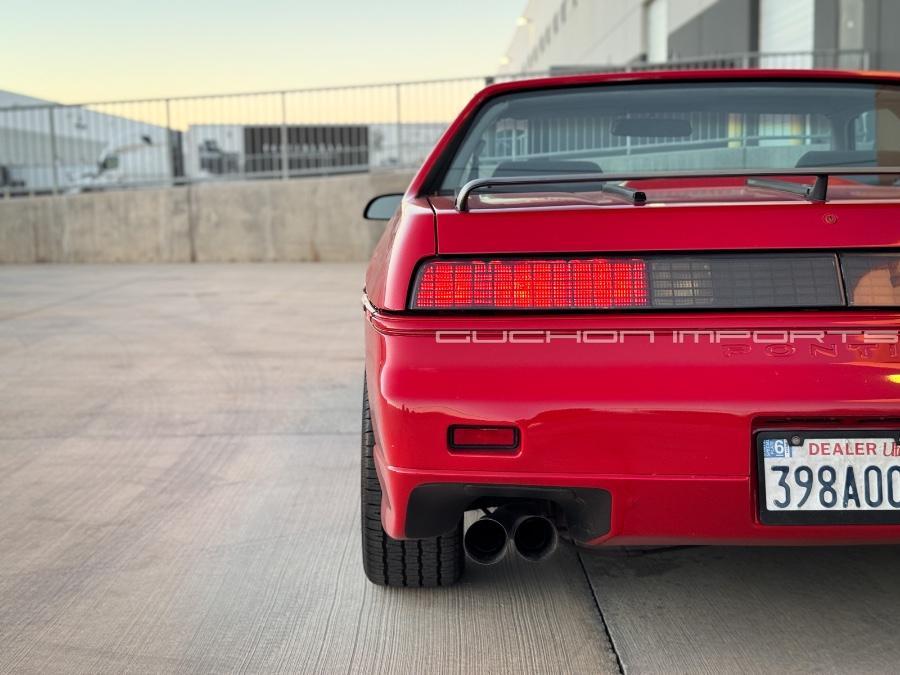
(460, 437)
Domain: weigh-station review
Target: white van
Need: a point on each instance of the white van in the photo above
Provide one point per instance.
(129, 161)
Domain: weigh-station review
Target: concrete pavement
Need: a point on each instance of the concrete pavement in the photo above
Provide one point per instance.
(179, 484)
(179, 491)
(752, 610)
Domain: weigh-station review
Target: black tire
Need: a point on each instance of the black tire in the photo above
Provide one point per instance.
(436, 561)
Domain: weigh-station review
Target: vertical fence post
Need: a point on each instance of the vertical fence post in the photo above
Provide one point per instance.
(285, 168)
(399, 128)
(170, 153)
(54, 160)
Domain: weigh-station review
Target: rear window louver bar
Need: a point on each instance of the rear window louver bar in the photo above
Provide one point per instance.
(817, 192)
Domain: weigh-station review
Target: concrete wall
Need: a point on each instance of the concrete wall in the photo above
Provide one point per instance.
(296, 220)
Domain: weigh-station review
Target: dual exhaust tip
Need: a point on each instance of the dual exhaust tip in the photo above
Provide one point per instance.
(532, 534)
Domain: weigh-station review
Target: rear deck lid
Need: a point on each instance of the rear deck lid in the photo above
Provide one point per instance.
(747, 219)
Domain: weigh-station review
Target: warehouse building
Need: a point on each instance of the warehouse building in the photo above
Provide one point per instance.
(561, 35)
(46, 147)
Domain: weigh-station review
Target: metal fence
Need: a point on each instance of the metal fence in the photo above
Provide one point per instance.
(52, 149)
(827, 59)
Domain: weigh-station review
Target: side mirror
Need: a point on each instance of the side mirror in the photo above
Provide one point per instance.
(382, 207)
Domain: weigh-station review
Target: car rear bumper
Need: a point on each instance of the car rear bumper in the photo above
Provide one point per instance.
(655, 435)
(638, 511)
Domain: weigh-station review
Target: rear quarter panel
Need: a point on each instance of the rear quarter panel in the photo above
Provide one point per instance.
(408, 238)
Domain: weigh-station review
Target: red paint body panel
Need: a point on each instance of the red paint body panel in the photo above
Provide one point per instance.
(407, 239)
(667, 429)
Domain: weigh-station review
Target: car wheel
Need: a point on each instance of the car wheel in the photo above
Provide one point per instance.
(435, 561)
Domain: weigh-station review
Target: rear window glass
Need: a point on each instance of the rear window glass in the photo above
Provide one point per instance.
(680, 126)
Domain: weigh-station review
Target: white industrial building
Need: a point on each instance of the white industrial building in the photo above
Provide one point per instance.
(565, 34)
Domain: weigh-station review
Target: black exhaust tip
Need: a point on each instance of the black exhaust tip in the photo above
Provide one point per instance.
(535, 538)
(486, 541)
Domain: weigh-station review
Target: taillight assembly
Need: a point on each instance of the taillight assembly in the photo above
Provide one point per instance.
(581, 283)
(872, 279)
(697, 281)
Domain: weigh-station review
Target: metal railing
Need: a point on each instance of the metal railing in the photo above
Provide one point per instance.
(54, 148)
(825, 59)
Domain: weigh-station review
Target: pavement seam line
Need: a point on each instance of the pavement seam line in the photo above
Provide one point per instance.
(609, 636)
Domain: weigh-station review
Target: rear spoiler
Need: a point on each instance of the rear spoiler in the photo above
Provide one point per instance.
(817, 192)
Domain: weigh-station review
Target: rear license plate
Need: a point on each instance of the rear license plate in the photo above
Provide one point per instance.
(836, 477)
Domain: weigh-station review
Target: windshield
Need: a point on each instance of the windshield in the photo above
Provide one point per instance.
(681, 126)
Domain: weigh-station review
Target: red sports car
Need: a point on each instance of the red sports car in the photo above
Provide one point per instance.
(638, 309)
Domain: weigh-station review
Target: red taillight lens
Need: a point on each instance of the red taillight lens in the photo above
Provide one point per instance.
(585, 283)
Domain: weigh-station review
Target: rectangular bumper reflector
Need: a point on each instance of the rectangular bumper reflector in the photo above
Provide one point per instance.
(483, 438)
